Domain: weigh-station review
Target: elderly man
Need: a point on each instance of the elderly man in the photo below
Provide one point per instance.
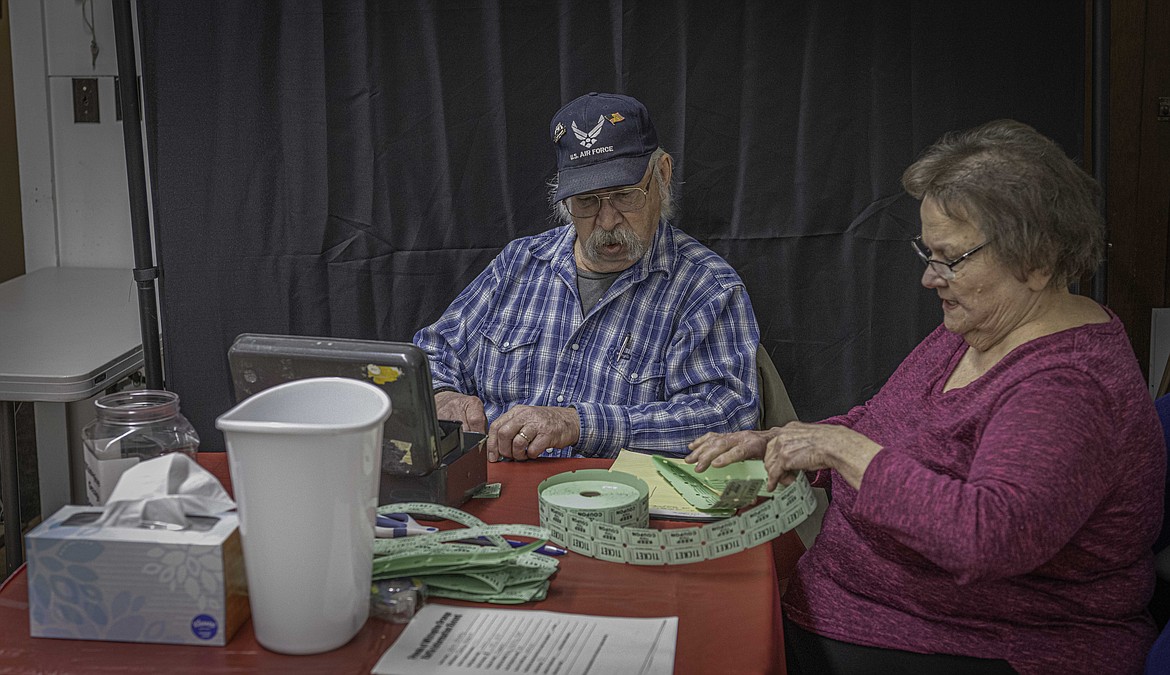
(615, 330)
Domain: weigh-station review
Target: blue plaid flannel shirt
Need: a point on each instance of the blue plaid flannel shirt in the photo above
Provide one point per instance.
(667, 354)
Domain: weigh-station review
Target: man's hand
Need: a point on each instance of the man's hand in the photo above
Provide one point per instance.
(451, 405)
(526, 431)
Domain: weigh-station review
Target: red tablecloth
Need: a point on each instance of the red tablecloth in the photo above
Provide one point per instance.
(728, 609)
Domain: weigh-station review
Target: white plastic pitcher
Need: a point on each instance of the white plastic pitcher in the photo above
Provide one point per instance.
(305, 459)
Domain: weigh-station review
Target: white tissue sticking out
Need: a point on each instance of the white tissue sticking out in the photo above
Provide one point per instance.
(160, 493)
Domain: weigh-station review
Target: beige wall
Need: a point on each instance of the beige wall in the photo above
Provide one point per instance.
(11, 231)
(74, 203)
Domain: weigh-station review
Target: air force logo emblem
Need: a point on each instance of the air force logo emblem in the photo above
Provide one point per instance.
(588, 139)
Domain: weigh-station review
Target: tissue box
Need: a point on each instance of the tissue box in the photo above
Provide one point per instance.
(133, 584)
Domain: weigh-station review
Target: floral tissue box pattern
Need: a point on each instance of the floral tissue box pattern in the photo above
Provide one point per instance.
(133, 584)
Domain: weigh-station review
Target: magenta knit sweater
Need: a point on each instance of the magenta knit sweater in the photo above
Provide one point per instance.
(1012, 518)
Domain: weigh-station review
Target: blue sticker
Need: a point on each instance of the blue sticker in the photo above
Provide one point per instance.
(204, 627)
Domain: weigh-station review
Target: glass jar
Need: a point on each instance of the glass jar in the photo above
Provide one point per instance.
(132, 426)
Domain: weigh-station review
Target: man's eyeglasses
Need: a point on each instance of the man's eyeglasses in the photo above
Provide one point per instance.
(626, 200)
(943, 268)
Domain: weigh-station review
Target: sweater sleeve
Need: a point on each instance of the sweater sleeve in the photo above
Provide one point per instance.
(1036, 477)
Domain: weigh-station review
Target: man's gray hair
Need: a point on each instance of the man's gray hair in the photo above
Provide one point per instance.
(561, 214)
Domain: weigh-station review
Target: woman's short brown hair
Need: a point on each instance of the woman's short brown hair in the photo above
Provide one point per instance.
(1038, 209)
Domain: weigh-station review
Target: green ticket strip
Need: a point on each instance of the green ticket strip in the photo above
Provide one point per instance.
(597, 513)
(720, 497)
(606, 515)
(496, 573)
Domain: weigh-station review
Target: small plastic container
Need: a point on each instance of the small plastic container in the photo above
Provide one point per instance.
(397, 600)
(132, 426)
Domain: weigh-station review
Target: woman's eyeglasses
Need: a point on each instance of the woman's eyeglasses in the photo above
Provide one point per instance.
(943, 268)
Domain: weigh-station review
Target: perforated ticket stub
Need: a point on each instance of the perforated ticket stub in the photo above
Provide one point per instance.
(606, 515)
(739, 493)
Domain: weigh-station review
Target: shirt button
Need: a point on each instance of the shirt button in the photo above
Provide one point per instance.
(576, 346)
(560, 399)
(507, 344)
(633, 375)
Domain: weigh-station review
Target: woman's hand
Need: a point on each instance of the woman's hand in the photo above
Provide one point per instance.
(712, 449)
(809, 447)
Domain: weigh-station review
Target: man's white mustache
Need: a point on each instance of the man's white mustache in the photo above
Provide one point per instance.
(619, 235)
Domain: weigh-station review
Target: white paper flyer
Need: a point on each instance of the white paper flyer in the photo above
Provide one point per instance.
(465, 640)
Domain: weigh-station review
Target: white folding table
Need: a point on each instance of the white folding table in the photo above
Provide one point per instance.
(66, 333)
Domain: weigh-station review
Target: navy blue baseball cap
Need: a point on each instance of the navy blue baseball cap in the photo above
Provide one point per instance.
(603, 140)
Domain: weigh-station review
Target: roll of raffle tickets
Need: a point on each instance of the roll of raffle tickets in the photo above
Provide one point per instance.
(606, 515)
(594, 512)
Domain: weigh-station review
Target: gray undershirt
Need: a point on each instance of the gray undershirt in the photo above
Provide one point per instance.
(592, 285)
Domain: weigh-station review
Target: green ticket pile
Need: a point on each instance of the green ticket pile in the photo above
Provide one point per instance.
(494, 573)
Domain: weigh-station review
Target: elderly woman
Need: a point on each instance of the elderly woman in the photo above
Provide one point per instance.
(994, 505)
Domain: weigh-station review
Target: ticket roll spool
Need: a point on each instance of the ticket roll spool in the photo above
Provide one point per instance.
(606, 515)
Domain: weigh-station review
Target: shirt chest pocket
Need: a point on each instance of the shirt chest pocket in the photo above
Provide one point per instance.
(507, 363)
(642, 375)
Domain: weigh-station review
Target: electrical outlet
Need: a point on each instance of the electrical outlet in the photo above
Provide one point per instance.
(85, 100)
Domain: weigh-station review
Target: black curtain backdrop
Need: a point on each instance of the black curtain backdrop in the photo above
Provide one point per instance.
(343, 168)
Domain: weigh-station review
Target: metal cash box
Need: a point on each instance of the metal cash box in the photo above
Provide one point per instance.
(423, 458)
